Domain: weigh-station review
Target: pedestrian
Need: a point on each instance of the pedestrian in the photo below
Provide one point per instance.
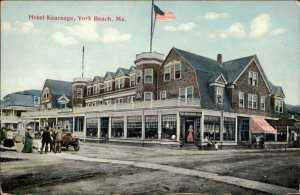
(28, 140)
(8, 141)
(261, 142)
(190, 137)
(46, 139)
(254, 143)
(57, 140)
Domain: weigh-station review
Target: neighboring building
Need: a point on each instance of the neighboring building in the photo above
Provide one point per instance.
(14, 104)
(79, 88)
(56, 95)
(158, 99)
(293, 113)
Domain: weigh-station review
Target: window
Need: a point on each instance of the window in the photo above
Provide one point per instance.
(168, 123)
(148, 75)
(134, 126)
(163, 95)
(119, 101)
(107, 102)
(177, 71)
(253, 78)
(241, 99)
(132, 80)
(138, 76)
(36, 100)
(219, 95)
(74, 93)
(244, 127)
(186, 94)
(45, 93)
(89, 91)
(212, 127)
(92, 127)
(78, 93)
(252, 101)
(278, 106)
(151, 127)
(108, 86)
(229, 129)
(130, 99)
(262, 103)
(147, 96)
(66, 123)
(119, 83)
(167, 73)
(117, 127)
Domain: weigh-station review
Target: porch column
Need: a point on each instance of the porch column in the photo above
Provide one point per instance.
(221, 127)
(125, 126)
(109, 127)
(236, 130)
(287, 133)
(143, 124)
(73, 129)
(202, 127)
(159, 125)
(98, 127)
(178, 127)
(84, 128)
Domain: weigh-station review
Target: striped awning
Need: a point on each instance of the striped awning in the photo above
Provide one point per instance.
(260, 125)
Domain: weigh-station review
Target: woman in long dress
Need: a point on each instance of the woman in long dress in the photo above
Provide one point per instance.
(28, 141)
(190, 137)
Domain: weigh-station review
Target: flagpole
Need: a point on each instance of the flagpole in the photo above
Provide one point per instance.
(151, 31)
(82, 60)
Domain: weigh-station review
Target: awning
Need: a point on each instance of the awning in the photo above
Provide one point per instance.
(260, 125)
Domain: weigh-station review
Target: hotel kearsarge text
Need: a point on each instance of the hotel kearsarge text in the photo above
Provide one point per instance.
(77, 18)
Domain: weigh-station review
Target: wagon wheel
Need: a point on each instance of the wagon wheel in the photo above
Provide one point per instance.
(76, 145)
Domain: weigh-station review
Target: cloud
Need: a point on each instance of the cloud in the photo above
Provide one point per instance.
(260, 25)
(85, 30)
(60, 38)
(236, 30)
(277, 32)
(187, 27)
(5, 27)
(215, 16)
(24, 27)
(112, 34)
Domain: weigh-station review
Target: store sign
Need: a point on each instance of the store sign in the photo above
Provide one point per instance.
(198, 114)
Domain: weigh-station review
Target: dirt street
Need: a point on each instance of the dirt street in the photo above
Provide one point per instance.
(55, 174)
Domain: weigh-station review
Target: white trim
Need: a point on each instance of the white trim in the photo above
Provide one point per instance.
(217, 84)
(146, 75)
(148, 93)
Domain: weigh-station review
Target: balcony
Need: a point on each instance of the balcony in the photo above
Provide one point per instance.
(169, 103)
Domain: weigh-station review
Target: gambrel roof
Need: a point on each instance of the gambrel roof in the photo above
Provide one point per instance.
(59, 88)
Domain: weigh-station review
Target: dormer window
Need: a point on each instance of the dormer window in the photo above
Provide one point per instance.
(78, 93)
(253, 77)
(219, 95)
(138, 76)
(278, 106)
(132, 80)
(45, 93)
(108, 86)
(119, 84)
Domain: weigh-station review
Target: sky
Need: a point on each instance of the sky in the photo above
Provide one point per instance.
(34, 50)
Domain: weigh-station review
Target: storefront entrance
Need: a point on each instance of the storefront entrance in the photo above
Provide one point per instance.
(190, 127)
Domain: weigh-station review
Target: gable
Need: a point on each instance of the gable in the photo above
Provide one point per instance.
(260, 71)
(108, 76)
(63, 99)
(131, 70)
(119, 73)
(279, 93)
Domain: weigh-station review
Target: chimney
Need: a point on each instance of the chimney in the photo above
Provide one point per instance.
(219, 58)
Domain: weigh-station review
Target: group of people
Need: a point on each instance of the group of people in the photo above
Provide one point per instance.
(258, 142)
(52, 138)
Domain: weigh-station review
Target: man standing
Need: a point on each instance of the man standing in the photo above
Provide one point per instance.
(46, 139)
(57, 140)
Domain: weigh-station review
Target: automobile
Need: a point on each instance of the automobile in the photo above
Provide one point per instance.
(68, 140)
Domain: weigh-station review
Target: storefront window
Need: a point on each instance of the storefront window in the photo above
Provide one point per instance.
(168, 126)
(244, 127)
(212, 127)
(117, 127)
(104, 127)
(229, 129)
(151, 127)
(134, 126)
(92, 127)
(66, 124)
(79, 121)
(281, 133)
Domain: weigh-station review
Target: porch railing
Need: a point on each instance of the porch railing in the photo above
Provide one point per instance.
(124, 106)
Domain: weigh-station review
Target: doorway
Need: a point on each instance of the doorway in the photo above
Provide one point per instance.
(186, 123)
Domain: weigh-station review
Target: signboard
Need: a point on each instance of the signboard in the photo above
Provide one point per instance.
(195, 114)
